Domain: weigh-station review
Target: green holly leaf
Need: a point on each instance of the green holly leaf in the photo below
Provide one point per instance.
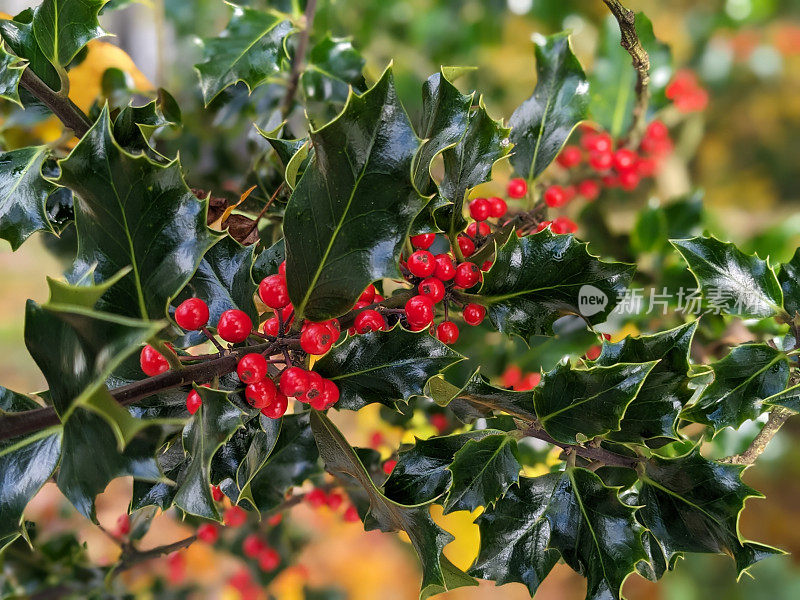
(655, 409)
(384, 366)
(428, 539)
(515, 535)
(63, 27)
(445, 116)
(789, 278)
(135, 125)
(469, 163)
(210, 427)
(11, 68)
(540, 278)
(117, 198)
(269, 261)
(587, 402)
(85, 294)
(422, 472)
(18, 35)
(353, 206)
(23, 194)
(25, 465)
(248, 50)
(691, 504)
(333, 66)
(482, 472)
(480, 399)
(789, 398)
(223, 280)
(541, 124)
(732, 282)
(613, 80)
(276, 462)
(749, 374)
(172, 463)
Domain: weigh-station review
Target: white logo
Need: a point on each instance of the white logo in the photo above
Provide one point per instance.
(591, 300)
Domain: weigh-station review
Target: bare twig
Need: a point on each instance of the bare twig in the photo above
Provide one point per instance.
(602, 455)
(131, 556)
(641, 62)
(777, 417)
(299, 59)
(63, 108)
(264, 210)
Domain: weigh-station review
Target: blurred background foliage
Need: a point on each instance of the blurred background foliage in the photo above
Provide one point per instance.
(742, 151)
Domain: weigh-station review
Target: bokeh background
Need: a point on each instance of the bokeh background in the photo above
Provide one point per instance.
(742, 151)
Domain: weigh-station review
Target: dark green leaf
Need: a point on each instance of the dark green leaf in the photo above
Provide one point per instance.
(211, 426)
(749, 374)
(613, 78)
(63, 27)
(276, 462)
(135, 125)
(384, 366)
(732, 282)
(11, 68)
(541, 124)
(515, 535)
(421, 474)
(130, 211)
(223, 280)
(172, 462)
(789, 398)
(248, 50)
(269, 261)
(654, 412)
(539, 278)
(18, 35)
(482, 472)
(428, 539)
(23, 194)
(691, 504)
(789, 278)
(333, 66)
(353, 206)
(587, 402)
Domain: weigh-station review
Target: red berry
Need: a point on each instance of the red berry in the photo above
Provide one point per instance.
(316, 498)
(601, 161)
(487, 264)
(251, 368)
(282, 269)
(624, 159)
(447, 332)
(593, 352)
(278, 407)
(569, 157)
(528, 382)
(193, 402)
(517, 188)
(421, 263)
(543, 225)
(208, 533)
(269, 559)
(445, 270)
(511, 376)
(440, 422)
(334, 328)
(234, 326)
(252, 545)
(480, 209)
(473, 314)
(316, 386)
(334, 500)
(656, 130)
(152, 362)
(369, 320)
(589, 189)
(294, 382)
(419, 311)
(433, 288)
(564, 225)
(368, 295)
(123, 524)
(600, 142)
(261, 393)
(389, 465)
(272, 291)
(467, 275)
(423, 241)
(555, 196)
(272, 326)
(316, 338)
(235, 516)
(629, 180)
(478, 229)
(275, 520)
(351, 515)
(466, 245)
(192, 314)
(329, 395)
(376, 439)
(499, 207)
(216, 493)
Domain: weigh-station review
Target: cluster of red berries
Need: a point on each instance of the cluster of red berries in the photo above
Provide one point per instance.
(518, 188)
(514, 378)
(686, 93)
(318, 497)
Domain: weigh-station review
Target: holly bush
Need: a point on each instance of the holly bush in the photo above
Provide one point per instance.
(207, 345)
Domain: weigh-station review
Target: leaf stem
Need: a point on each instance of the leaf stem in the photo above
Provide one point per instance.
(777, 417)
(65, 109)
